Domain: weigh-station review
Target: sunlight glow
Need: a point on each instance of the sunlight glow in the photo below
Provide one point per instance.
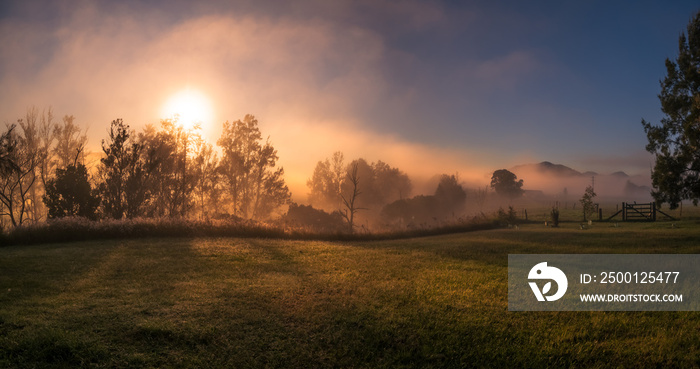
(191, 106)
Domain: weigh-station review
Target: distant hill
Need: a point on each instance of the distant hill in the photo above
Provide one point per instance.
(546, 167)
(558, 178)
(620, 174)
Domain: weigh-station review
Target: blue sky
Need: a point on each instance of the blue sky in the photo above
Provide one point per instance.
(426, 86)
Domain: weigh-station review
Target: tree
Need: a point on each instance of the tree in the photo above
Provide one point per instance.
(70, 193)
(247, 165)
(70, 143)
(349, 195)
(7, 147)
(206, 177)
(168, 168)
(676, 142)
(23, 157)
(506, 183)
(587, 202)
(381, 184)
(450, 195)
(122, 173)
(326, 181)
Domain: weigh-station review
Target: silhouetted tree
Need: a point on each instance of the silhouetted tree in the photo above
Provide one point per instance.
(506, 183)
(325, 183)
(380, 185)
(7, 148)
(206, 177)
(168, 169)
(675, 143)
(255, 187)
(448, 201)
(349, 195)
(391, 183)
(587, 202)
(25, 158)
(122, 173)
(70, 193)
(70, 143)
(450, 195)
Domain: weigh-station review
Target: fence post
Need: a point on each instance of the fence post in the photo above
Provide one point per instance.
(600, 214)
(624, 212)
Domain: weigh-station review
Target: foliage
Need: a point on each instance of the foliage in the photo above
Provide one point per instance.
(206, 191)
(411, 213)
(325, 184)
(7, 147)
(305, 217)
(554, 214)
(507, 218)
(70, 194)
(122, 173)
(506, 183)
(380, 183)
(450, 195)
(169, 178)
(587, 202)
(253, 185)
(675, 143)
(422, 211)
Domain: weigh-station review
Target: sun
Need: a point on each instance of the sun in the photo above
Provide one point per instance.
(191, 106)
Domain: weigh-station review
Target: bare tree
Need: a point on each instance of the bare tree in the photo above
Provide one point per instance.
(18, 186)
(351, 185)
(70, 143)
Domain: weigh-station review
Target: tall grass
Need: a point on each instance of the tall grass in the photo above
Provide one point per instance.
(70, 229)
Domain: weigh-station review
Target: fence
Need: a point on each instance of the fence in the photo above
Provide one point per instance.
(639, 212)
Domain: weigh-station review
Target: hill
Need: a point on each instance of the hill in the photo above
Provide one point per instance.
(556, 179)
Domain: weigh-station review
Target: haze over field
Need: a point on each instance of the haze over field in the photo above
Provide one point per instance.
(428, 87)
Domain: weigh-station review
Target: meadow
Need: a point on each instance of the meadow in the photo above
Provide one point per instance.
(438, 301)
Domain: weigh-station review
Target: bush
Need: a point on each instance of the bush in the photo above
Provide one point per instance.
(555, 217)
(306, 218)
(507, 218)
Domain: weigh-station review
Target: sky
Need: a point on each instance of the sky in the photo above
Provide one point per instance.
(427, 86)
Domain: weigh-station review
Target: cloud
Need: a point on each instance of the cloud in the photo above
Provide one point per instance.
(307, 80)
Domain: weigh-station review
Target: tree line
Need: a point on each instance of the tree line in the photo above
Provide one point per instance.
(162, 171)
(166, 170)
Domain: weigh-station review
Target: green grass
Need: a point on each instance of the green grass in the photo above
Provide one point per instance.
(229, 302)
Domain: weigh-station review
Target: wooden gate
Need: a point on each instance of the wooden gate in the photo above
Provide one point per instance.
(639, 212)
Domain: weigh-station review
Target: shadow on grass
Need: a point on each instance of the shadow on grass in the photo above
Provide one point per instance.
(230, 302)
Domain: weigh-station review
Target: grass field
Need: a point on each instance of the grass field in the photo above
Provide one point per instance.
(225, 302)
